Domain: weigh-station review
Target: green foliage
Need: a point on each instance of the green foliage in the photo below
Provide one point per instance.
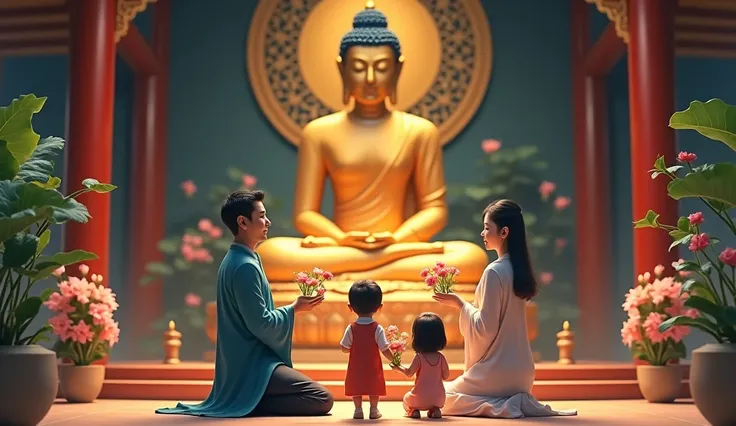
(518, 173)
(29, 205)
(712, 286)
(189, 259)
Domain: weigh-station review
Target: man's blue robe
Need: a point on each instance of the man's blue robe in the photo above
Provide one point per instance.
(253, 338)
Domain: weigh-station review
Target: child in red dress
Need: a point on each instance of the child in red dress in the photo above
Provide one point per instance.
(430, 366)
(365, 340)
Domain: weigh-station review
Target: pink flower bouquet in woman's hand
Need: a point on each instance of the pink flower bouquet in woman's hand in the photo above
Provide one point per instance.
(84, 321)
(396, 342)
(440, 277)
(312, 283)
(648, 305)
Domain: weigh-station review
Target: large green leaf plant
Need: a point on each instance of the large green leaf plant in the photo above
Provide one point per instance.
(711, 283)
(29, 204)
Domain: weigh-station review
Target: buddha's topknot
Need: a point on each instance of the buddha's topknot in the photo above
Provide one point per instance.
(370, 28)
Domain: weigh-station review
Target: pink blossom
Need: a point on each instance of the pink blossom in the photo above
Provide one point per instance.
(59, 271)
(686, 157)
(454, 271)
(302, 278)
(321, 291)
(249, 181)
(664, 289)
(699, 242)
(317, 271)
(187, 252)
(630, 332)
(81, 333)
(192, 300)
(560, 243)
(431, 280)
(59, 303)
(728, 256)
(188, 187)
(101, 313)
(651, 327)
(562, 203)
(205, 225)
(193, 240)
(311, 282)
(60, 325)
(80, 289)
(636, 297)
(696, 218)
(546, 188)
(546, 277)
(681, 273)
(658, 270)
(442, 273)
(424, 273)
(83, 269)
(111, 333)
(397, 346)
(327, 275)
(440, 264)
(391, 332)
(490, 146)
(215, 232)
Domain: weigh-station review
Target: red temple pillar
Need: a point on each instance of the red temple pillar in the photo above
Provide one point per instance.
(148, 175)
(90, 122)
(592, 212)
(651, 103)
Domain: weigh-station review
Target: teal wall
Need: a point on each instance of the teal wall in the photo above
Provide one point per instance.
(215, 123)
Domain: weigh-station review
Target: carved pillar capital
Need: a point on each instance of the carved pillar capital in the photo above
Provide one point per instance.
(127, 9)
(616, 10)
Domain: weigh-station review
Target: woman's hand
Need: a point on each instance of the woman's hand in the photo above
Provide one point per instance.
(451, 299)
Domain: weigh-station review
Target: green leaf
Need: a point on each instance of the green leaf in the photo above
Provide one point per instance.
(96, 186)
(689, 266)
(692, 286)
(46, 294)
(683, 224)
(235, 174)
(714, 184)
(18, 196)
(169, 246)
(700, 323)
(16, 128)
(649, 221)
(27, 309)
(477, 192)
(714, 119)
(146, 279)
(43, 241)
(53, 182)
(18, 222)
(181, 264)
(68, 258)
(8, 164)
(685, 239)
(40, 165)
(19, 249)
(159, 268)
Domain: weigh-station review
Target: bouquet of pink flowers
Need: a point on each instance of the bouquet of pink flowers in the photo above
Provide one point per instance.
(84, 320)
(313, 282)
(440, 277)
(648, 305)
(397, 343)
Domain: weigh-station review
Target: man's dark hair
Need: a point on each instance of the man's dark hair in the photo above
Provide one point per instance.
(428, 334)
(239, 203)
(365, 297)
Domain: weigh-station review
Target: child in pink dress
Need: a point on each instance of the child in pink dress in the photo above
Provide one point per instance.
(429, 365)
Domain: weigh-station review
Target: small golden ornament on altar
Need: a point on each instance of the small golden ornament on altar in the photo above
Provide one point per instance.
(566, 343)
(172, 344)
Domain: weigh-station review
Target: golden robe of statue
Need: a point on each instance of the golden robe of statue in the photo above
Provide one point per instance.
(387, 176)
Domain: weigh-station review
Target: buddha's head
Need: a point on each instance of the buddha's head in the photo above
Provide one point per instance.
(370, 59)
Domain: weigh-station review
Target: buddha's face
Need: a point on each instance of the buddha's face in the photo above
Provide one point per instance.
(370, 73)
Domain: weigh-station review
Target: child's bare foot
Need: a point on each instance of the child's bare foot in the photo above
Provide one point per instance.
(358, 413)
(435, 413)
(374, 414)
(414, 414)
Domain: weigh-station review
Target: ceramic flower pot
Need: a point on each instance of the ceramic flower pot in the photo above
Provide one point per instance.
(81, 383)
(659, 383)
(713, 382)
(29, 384)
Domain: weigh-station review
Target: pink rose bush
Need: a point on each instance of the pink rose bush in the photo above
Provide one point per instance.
(396, 343)
(710, 281)
(440, 277)
(84, 316)
(648, 305)
(312, 283)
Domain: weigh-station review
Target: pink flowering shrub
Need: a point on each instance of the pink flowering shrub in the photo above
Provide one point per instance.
(711, 280)
(189, 259)
(648, 305)
(84, 320)
(522, 173)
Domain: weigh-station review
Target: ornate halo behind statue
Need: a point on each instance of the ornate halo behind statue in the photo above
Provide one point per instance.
(292, 46)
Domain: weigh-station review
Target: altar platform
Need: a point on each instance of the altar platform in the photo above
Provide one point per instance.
(153, 380)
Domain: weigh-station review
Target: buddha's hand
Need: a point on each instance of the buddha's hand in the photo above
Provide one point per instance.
(310, 241)
(358, 239)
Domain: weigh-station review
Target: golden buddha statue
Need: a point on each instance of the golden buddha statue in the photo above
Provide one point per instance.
(389, 200)
(387, 176)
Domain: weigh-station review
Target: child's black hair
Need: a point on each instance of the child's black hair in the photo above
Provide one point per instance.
(365, 297)
(428, 333)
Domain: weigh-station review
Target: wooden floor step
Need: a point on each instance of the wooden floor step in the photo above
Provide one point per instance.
(545, 390)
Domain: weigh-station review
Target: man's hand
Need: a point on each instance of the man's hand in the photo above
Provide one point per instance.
(307, 303)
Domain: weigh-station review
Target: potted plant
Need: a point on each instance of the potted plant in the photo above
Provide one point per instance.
(711, 285)
(647, 305)
(86, 329)
(29, 204)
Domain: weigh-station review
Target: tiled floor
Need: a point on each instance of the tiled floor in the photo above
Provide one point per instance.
(597, 413)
